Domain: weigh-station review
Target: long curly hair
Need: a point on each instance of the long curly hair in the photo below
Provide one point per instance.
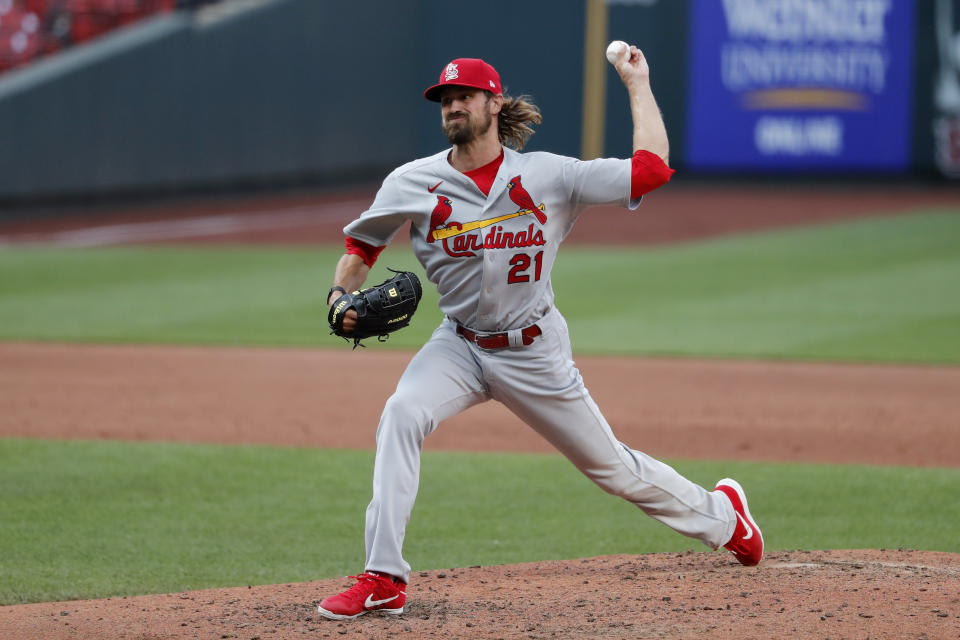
(514, 120)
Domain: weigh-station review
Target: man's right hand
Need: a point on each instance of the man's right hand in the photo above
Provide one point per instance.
(349, 319)
(351, 273)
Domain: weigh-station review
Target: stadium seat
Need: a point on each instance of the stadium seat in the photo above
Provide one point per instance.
(31, 28)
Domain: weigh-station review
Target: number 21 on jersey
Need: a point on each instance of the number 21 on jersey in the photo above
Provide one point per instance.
(520, 263)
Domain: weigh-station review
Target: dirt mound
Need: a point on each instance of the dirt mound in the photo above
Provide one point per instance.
(796, 594)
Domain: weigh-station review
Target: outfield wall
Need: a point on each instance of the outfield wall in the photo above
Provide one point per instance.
(284, 92)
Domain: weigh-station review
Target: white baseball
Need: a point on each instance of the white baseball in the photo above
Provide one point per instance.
(616, 50)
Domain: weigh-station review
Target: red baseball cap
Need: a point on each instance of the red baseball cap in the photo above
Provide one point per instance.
(466, 72)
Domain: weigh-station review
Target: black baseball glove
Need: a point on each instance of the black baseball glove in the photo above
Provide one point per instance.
(381, 310)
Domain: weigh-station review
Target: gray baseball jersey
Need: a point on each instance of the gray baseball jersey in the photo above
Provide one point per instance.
(491, 257)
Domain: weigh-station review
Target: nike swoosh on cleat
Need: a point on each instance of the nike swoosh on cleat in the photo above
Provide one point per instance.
(434, 187)
(747, 525)
(370, 602)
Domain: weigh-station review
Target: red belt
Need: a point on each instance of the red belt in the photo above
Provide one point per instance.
(498, 340)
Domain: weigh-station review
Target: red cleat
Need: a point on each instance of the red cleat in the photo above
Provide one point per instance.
(372, 592)
(747, 541)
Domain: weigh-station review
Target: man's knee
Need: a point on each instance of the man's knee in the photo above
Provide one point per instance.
(403, 417)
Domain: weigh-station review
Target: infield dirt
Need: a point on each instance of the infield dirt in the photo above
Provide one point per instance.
(798, 594)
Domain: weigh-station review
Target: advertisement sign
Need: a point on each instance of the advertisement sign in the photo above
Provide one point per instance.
(800, 84)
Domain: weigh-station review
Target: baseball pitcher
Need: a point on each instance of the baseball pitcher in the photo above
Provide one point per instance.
(486, 222)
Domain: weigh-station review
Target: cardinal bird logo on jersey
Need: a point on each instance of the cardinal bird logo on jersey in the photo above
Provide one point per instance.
(439, 216)
(523, 200)
(462, 240)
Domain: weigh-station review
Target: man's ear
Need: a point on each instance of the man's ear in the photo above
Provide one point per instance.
(496, 104)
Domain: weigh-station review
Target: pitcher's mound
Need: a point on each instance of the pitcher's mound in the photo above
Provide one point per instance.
(864, 593)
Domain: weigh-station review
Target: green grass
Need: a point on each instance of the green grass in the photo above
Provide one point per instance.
(87, 519)
(167, 295)
(874, 290)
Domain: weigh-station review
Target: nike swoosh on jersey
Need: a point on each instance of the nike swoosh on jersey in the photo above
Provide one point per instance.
(434, 187)
(748, 527)
(370, 602)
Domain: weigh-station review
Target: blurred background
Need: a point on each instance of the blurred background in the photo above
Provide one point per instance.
(102, 100)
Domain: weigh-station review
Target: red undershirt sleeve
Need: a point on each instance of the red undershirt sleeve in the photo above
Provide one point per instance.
(367, 252)
(648, 171)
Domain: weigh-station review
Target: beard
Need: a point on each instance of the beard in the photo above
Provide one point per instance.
(468, 128)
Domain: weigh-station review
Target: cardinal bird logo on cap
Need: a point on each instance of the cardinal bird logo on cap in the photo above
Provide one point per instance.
(440, 214)
(522, 199)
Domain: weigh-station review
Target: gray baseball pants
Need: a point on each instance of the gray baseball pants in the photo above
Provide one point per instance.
(540, 384)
